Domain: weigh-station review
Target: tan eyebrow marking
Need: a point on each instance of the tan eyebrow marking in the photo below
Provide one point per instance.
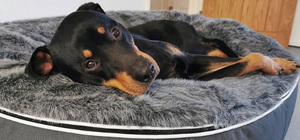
(101, 30)
(87, 53)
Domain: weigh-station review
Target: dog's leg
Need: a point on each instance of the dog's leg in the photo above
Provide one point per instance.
(216, 53)
(220, 48)
(206, 68)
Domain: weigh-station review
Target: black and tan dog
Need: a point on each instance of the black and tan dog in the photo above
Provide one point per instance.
(89, 47)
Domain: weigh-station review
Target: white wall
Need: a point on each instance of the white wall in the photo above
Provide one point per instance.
(295, 36)
(11, 10)
(195, 6)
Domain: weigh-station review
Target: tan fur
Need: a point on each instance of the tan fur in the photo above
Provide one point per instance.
(219, 65)
(101, 30)
(127, 84)
(287, 65)
(46, 60)
(217, 53)
(174, 50)
(87, 53)
(256, 61)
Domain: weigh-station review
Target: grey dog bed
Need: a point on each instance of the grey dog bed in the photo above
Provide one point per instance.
(171, 107)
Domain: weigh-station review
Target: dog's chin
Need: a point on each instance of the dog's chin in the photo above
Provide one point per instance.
(126, 83)
(135, 91)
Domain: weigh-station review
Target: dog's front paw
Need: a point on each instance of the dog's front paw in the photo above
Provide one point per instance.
(288, 65)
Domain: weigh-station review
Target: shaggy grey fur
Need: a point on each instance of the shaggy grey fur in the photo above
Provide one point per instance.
(168, 103)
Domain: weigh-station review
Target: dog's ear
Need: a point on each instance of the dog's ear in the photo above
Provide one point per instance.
(91, 6)
(40, 65)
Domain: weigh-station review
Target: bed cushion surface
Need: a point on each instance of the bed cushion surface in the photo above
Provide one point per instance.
(168, 103)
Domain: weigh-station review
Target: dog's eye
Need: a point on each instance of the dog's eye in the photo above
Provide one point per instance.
(116, 32)
(90, 65)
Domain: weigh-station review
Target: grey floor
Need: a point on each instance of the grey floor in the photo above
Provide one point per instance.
(294, 129)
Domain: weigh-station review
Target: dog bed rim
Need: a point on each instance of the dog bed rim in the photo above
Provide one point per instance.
(141, 132)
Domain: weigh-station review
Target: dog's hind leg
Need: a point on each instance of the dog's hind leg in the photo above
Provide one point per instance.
(220, 48)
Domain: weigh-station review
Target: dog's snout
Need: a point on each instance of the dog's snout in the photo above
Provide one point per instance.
(146, 74)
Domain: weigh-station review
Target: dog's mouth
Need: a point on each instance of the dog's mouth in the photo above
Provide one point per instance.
(126, 83)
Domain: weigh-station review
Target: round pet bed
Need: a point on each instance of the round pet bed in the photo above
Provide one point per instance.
(254, 106)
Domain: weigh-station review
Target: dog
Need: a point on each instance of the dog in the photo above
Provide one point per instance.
(89, 47)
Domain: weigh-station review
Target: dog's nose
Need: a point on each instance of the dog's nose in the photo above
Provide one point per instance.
(149, 77)
(146, 74)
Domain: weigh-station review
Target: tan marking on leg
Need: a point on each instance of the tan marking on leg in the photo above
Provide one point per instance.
(256, 61)
(101, 30)
(174, 50)
(217, 53)
(289, 66)
(217, 66)
(87, 53)
(127, 84)
(220, 65)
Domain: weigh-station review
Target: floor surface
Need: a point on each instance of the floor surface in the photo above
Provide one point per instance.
(294, 129)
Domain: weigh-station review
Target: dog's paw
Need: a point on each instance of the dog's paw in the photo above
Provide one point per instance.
(270, 66)
(288, 65)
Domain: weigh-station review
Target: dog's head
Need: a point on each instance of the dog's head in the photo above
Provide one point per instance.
(89, 47)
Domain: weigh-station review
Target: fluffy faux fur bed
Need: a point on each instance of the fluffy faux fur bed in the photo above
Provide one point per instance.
(168, 103)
